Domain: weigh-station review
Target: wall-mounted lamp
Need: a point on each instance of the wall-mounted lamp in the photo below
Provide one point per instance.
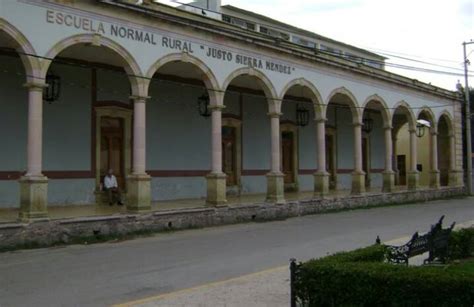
(420, 127)
(367, 124)
(52, 91)
(302, 116)
(203, 105)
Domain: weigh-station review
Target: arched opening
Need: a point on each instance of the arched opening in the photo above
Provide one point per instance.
(15, 70)
(402, 122)
(88, 126)
(249, 98)
(444, 149)
(425, 131)
(375, 118)
(301, 105)
(179, 125)
(342, 115)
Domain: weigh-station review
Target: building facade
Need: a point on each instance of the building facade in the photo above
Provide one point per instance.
(186, 105)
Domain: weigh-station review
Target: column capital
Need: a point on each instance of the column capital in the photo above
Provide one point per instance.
(387, 127)
(137, 98)
(412, 130)
(358, 124)
(274, 114)
(36, 86)
(215, 108)
(434, 133)
(320, 120)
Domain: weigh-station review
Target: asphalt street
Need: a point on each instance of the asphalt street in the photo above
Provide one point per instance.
(118, 272)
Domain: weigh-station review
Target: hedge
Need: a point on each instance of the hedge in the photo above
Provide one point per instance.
(362, 278)
(461, 244)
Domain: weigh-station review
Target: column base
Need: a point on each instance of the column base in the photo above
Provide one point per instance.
(413, 178)
(388, 182)
(456, 178)
(397, 177)
(33, 199)
(275, 188)
(321, 184)
(216, 189)
(358, 183)
(138, 193)
(435, 179)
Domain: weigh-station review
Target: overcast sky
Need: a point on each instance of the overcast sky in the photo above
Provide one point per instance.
(424, 30)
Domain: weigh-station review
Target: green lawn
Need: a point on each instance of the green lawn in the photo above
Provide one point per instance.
(465, 266)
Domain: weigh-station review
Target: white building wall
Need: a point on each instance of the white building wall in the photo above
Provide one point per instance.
(67, 123)
(13, 114)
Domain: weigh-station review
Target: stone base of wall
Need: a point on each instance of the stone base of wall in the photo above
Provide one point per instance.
(47, 233)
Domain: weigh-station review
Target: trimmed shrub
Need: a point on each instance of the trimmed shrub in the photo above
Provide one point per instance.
(361, 278)
(461, 244)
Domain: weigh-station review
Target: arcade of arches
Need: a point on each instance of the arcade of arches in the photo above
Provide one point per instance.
(146, 126)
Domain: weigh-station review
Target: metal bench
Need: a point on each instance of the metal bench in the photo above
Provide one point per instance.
(435, 242)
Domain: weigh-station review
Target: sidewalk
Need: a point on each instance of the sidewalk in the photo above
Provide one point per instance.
(267, 288)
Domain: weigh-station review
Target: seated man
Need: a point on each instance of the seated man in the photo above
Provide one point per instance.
(112, 189)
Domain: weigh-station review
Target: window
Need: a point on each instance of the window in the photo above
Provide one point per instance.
(226, 18)
(330, 50)
(301, 41)
(353, 58)
(372, 63)
(238, 22)
(274, 33)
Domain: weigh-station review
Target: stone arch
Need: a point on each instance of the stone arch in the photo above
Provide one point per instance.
(449, 120)
(385, 111)
(353, 104)
(25, 50)
(315, 97)
(209, 78)
(446, 143)
(407, 110)
(267, 86)
(138, 83)
(430, 115)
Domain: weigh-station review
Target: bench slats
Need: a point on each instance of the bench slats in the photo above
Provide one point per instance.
(435, 242)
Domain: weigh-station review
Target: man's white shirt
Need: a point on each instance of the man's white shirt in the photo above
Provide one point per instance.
(110, 182)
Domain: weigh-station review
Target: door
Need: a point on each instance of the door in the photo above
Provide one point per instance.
(112, 148)
(287, 143)
(330, 161)
(402, 171)
(229, 154)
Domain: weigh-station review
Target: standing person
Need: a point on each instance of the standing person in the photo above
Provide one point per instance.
(112, 189)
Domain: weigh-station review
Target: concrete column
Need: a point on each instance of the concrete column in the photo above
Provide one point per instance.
(455, 176)
(358, 176)
(321, 177)
(216, 180)
(413, 175)
(35, 129)
(434, 173)
(275, 179)
(34, 185)
(388, 174)
(452, 152)
(139, 135)
(394, 160)
(217, 139)
(275, 141)
(138, 183)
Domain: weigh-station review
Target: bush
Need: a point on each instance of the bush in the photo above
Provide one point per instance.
(461, 244)
(361, 278)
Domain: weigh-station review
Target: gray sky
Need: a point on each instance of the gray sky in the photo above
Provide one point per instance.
(424, 30)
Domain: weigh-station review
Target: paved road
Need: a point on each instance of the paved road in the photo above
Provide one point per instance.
(113, 273)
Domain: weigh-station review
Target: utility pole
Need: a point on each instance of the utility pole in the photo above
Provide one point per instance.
(468, 122)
